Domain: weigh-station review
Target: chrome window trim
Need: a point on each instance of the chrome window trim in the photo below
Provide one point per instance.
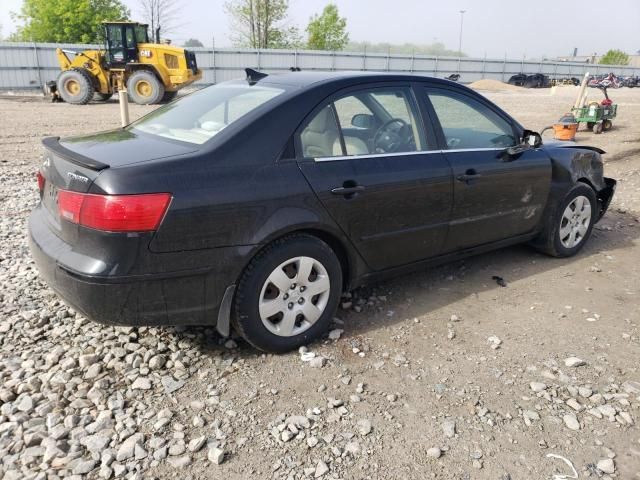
(402, 154)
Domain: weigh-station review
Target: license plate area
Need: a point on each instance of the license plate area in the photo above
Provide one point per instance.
(50, 198)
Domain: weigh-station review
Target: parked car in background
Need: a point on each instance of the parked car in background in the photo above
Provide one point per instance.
(535, 80)
(256, 203)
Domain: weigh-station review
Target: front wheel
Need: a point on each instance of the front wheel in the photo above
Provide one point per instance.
(75, 86)
(570, 226)
(288, 294)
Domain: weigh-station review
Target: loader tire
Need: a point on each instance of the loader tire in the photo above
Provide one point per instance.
(75, 86)
(145, 88)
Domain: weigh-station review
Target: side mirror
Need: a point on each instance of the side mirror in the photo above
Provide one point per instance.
(363, 120)
(533, 139)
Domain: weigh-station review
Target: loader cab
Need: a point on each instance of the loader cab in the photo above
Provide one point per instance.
(121, 42)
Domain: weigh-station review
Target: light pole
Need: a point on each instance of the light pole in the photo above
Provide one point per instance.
(460, 41)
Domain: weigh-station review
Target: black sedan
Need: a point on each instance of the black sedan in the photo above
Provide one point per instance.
(256, 203)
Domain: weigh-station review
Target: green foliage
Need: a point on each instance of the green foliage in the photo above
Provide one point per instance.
(437, 48)
(615, 57)
(328, 31)
(66, 21)
(193, 42)
(262, 24)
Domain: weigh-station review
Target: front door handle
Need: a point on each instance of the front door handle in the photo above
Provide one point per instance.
(469, 176)
(349, 191)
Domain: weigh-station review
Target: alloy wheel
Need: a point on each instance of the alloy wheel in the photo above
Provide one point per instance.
(575, 222)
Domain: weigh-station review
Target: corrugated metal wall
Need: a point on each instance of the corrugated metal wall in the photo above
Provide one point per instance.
(30, 65)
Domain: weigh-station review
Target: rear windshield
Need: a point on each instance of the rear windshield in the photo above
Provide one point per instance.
(200, 116)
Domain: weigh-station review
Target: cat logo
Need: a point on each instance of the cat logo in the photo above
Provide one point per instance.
(145, 53)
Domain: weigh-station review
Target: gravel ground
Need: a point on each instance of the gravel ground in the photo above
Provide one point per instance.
(439, 374)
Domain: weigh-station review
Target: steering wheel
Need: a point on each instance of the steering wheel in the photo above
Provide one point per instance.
(388, 139)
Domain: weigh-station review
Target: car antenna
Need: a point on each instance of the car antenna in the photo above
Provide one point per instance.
(253, 76)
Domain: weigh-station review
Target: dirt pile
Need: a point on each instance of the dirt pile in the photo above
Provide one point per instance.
(494, 86)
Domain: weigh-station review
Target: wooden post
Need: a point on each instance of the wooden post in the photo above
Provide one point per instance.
(123, 99)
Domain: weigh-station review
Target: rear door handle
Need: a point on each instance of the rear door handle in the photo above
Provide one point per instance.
(346, 191)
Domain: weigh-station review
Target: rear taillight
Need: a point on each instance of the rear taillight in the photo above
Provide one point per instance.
(41, 181)
(114, 213)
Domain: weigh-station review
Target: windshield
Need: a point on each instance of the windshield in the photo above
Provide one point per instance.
(200, 116)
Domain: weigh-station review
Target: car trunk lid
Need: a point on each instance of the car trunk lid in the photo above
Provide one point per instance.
(118, 148)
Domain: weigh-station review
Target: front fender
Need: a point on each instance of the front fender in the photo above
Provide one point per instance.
(575, 163)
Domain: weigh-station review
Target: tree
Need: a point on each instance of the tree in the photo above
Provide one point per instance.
(615, 57)
(66, 21)
(193, 42)
(328, 31)
(164, 14)
(262, 24)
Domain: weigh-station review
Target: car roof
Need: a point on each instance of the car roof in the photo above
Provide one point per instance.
(304, 79)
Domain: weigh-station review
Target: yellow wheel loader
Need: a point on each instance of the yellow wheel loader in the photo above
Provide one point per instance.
(151, 72)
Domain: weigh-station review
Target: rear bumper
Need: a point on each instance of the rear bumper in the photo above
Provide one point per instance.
(183, 297)
(606, 195)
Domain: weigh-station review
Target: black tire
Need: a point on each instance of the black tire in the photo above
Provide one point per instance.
(102, 97)
(169, 97)
(549, 240)
(247, 320)
(597, 128)
(145, 88)
(607, 125)
(75, 86)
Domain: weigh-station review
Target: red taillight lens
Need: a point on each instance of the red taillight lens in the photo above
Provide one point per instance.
(114, 213)
(69, 205)
(41, 181)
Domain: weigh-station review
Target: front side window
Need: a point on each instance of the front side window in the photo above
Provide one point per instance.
(374, 121)
(468, 124)
(198, 117)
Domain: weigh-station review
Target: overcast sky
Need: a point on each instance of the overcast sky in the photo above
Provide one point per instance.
(492, 27)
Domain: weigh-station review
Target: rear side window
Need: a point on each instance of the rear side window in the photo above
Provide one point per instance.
(468, 124)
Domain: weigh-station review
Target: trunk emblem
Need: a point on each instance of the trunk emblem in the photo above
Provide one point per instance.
(75, 176)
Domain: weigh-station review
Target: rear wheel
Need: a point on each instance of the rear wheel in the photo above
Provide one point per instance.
(570, 226)
(288, 294)
(75, 86)
(144, 88)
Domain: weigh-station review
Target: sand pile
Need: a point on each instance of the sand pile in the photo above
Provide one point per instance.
(494, 86)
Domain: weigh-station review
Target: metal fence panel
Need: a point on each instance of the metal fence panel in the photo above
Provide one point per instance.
(26, 65)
